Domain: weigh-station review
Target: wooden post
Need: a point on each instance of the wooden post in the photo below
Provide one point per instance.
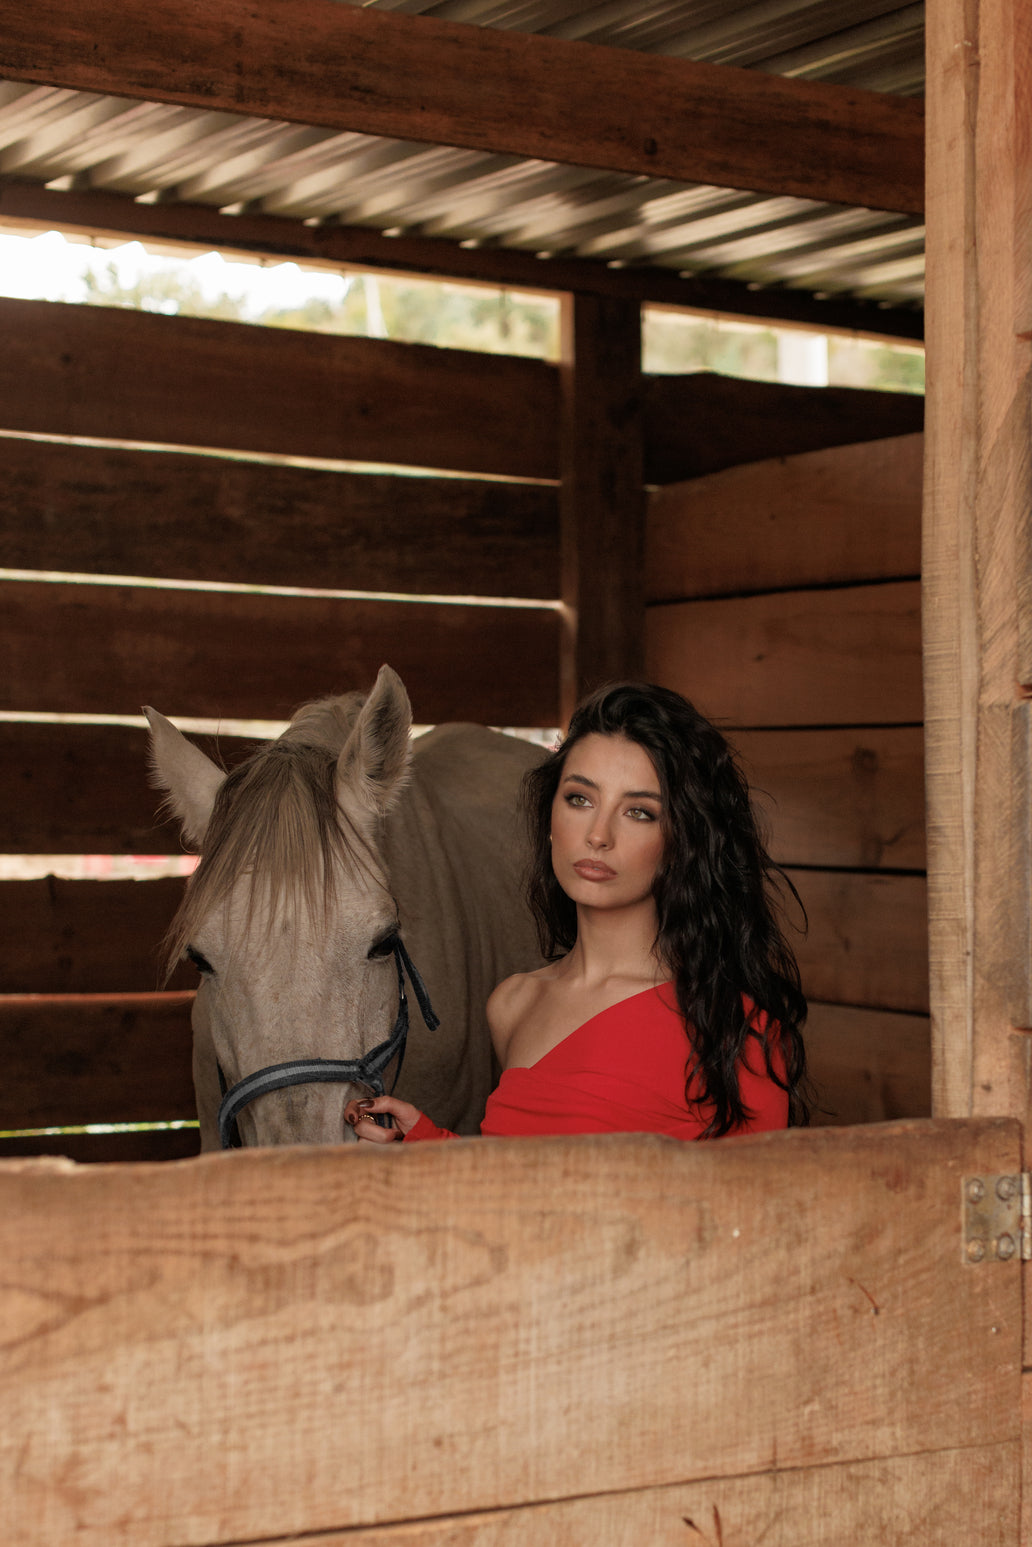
(602, 497)
(977, 560)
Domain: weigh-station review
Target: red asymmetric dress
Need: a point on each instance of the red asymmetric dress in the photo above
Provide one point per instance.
(622, 1071)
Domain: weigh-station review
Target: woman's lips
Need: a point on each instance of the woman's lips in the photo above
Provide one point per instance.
(594, 870)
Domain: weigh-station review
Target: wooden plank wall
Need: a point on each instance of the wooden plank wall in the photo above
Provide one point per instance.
(109, 425)
(784, 599)
(607, 1339)
(88, 397)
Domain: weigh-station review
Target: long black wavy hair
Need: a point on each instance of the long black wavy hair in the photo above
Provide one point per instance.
(718, 895)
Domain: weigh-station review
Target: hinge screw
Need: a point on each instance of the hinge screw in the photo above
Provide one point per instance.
(975, 1251)
(1005, 1248)
(975, 1190)
(1006, 1188)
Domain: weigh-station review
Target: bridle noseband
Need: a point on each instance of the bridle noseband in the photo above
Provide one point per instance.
(367, 1070)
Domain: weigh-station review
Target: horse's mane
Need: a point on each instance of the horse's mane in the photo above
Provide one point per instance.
(276, 819)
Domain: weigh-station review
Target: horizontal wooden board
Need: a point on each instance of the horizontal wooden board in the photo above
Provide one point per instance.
(850, 798)
(845, 514)
(109, 649)
(116, 511)
(83, 789)
(87, 937)
(492, 90)
(869, 1066)
(909, 1501)
(577, 1316)
(867, 942)
(701, 423)
(127, 1147)
(840, 657)
(189, 381)
(78, 1059)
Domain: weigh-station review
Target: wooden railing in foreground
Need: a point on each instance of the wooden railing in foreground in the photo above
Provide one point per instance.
(560, 1342)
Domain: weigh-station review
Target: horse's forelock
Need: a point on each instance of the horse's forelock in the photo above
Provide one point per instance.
(276, 819)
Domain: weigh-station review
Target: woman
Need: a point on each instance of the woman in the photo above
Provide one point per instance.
(670, 1002)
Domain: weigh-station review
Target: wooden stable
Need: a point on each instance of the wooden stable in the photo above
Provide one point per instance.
(805, 1338)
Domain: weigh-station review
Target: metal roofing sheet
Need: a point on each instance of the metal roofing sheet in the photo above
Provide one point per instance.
(152, 150)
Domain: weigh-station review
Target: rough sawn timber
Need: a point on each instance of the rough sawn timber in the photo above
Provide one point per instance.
(189, 1350)
(419, 78)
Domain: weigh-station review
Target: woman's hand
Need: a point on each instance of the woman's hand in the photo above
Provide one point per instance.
(358, 1116)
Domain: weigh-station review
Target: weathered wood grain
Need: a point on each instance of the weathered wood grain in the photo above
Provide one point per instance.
(601, 497)
(978, 551)
(701, 423)
(78, 1059)
(869, 1066)
(109, 649)
(116, 511)
(911, 1501)
(535, 1320)
(189, 381)
(817, 518)
(847, 798)
(418, 78)
(87, 937)
(867, 942)
(840, 657)
(92, 211)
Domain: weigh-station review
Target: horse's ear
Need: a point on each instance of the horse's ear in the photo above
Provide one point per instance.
(190, 779)
(373, 766)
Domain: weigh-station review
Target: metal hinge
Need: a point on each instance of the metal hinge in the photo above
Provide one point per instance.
(997, 1214)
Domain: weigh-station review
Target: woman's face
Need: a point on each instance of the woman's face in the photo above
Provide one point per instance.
(607, 823)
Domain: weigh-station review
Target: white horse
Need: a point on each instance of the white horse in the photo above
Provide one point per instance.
(316, 853)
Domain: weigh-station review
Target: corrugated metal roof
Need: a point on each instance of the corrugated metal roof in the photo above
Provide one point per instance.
(150, 150)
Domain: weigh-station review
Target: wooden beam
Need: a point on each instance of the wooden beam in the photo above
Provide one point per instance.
(930, 1500)
(107, 649)
(869, 1066)
(852, 798)
(601, 497)
(169, 515)
(198, 227)
(867, 941)
(839, 657)
(188, 381)
(82, 789)
(87, 937)
(817, 518)
(81, 1058)
(417, 78)
(258, 1293)
(978, 552)
(697, 424)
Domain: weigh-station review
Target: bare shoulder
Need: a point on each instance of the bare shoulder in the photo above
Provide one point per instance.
(511, 1002)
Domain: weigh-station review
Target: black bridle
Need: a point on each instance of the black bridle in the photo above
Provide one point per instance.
(367, 1070)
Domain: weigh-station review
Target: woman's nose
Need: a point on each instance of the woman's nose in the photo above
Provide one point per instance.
(598, 837)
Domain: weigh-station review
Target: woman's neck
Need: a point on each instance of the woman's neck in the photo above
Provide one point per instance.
(616, 944)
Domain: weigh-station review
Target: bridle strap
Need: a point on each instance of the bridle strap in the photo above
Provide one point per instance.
(367, 1070)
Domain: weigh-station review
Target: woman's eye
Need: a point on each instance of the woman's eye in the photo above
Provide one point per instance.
(641, 814)
(200, 962)
(576, 799)
(382, 947)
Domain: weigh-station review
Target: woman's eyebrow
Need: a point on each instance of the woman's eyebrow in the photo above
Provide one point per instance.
(574, 778)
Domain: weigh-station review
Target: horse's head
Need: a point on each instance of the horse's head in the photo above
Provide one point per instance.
(289, 916)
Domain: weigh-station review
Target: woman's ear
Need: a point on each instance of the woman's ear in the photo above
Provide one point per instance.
(373, 767)
(189, 779)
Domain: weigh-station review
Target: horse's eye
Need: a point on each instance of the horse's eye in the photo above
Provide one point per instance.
(200, 962)
(382, 947)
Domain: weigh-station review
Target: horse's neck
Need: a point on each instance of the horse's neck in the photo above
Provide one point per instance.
(452, 844)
